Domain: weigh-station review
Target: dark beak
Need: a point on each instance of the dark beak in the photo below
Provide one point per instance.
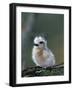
(36, 45)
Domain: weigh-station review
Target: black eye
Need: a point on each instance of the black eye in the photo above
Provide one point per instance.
(41, 42)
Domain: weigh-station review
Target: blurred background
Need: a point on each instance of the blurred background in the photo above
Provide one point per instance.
(51, 26)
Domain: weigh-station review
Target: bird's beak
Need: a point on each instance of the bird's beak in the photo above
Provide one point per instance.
(36, 45)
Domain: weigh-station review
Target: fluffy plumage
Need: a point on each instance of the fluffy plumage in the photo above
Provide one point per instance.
(41, 54)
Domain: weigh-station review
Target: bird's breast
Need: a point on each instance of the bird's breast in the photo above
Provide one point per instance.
(43, 57)
(39, 55)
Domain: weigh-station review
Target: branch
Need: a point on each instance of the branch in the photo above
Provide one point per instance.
(36, 71)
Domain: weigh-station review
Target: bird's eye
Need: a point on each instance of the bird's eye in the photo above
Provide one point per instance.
(41, 42)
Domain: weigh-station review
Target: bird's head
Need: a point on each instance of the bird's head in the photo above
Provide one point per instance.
(40, 42)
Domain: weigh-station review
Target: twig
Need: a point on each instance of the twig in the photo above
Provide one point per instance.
(32, 71)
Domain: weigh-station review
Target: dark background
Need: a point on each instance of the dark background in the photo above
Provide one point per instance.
(49, 25)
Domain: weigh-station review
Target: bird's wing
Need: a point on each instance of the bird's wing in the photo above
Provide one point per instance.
(49, 56)
(48, 53)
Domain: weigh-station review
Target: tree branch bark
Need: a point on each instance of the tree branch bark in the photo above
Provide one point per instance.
(36, 71)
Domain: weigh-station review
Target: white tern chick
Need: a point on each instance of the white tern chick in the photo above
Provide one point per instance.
(41, 54)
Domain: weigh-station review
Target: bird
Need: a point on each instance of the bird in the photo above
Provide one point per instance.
(41, 55)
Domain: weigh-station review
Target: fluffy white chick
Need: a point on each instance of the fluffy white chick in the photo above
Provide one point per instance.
(41, 54)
